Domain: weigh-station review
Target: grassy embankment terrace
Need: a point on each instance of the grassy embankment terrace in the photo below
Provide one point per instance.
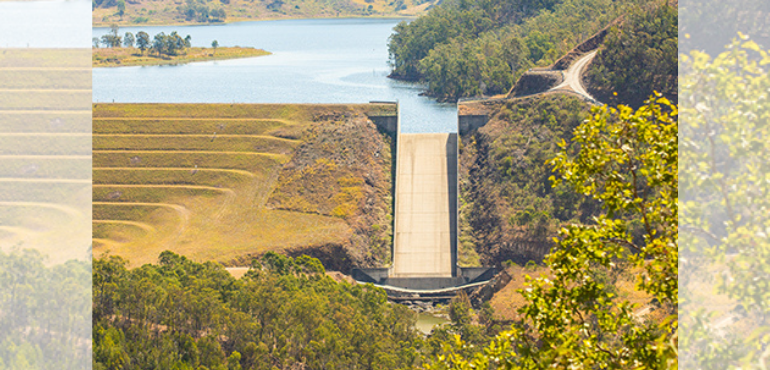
(196, 179)
(45, 169)
(125, 57)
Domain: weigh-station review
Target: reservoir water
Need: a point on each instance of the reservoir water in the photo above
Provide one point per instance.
(313, 61)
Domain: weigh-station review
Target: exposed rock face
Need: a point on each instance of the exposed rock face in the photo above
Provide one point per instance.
(486, 291)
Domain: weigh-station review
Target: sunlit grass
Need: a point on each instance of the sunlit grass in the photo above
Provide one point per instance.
(117, 57)
(189, 126)
(203, 194)
(139, 193)
(51, 168)
(38, 58)
(252, 162)
(209, 177)
(46, 100)
(41, 121)
(45, 79)
(45, 145)
(60, 193)
(259, 144)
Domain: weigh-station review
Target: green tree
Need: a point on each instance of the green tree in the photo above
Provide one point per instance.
(159, 43)
(180, 314)
(473, 47)
(142, 41)
(637, 58)
(724, 179)
(112, 39)
(627, 160)
(215, 45)
(128, 40)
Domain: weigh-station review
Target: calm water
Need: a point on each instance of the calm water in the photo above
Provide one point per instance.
(313, 61)
(426, 322)
(45, 24)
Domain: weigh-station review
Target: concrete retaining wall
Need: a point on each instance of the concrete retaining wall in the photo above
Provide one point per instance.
(469, 123)
(388, 124)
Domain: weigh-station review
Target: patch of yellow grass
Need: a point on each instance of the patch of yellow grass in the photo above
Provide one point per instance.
(42, 121)
(43, 58)
(33, 99)
(44, 151)
(204, 195)
(190, 142)
(508, 300)
(188, 126)
(123, 57)
(45, 79)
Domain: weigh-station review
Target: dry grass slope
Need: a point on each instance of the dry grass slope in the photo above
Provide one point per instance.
(45, 167)
(196, 179)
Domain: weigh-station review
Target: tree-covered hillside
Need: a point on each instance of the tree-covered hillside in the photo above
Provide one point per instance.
(509, 209)
(480, 47)
(45, 313)
(637, 58)
(126, 12)
(574, 315)
(284, 314)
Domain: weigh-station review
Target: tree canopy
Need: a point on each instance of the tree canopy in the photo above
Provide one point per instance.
(627, 160)
(467, 48)
(724, 197)
(637, 58)
(180, 314)
(45, 313)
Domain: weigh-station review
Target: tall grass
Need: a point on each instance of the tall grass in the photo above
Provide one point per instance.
(247, 126)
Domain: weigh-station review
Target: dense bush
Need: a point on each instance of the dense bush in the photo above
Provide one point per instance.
(509, 208)
(181, 314)
(637, 58)
(44, 313)
(479, 47)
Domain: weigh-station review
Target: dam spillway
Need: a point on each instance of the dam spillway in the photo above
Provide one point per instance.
(425, 215)
(425, 233)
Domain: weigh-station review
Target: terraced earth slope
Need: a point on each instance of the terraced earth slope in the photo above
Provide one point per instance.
(45, 151)
(226, 182)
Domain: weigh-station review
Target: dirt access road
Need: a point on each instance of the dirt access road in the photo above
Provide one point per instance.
(573, 76)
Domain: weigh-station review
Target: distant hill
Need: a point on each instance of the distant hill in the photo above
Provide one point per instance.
(474, 48)
(156, 12)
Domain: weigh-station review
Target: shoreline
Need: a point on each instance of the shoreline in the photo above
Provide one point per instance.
(127, 57)
(100, 24)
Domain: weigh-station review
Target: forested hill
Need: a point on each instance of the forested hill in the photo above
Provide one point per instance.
(637, 58)
(465, 48)
(126, 12)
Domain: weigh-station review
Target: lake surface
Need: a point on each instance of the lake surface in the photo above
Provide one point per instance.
(313, 61)
(45, 24)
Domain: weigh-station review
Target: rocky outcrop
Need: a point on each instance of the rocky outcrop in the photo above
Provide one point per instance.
(485, 292)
